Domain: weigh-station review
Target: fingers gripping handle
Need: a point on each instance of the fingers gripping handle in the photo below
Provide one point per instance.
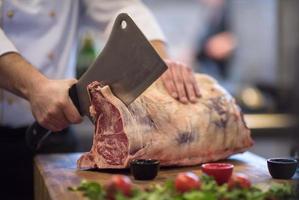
(36, 134)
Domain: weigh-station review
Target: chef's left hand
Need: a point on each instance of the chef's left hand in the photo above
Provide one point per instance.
(180, 82)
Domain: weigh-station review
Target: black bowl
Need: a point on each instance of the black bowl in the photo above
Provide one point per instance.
(282, 168)
(144, 169)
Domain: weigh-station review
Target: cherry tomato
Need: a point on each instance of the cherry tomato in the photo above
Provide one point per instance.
(119, 183)
(187, 181)
(239, 181)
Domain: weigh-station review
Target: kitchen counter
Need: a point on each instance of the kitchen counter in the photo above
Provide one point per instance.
(54, 173)
(270, 121)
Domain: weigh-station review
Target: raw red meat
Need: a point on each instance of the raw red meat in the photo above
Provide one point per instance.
(156, 126)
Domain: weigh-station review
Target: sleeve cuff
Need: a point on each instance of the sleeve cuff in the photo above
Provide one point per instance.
(5, 44)
(144, 19)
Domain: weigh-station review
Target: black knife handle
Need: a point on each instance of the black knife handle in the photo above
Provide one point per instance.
(35, 135)
(74, 97)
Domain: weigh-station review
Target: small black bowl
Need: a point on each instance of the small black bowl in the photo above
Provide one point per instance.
(144, 169)
(282, 168)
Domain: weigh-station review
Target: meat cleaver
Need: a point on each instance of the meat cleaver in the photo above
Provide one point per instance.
(128, 64)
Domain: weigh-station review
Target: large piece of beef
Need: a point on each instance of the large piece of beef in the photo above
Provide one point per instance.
(156, 126)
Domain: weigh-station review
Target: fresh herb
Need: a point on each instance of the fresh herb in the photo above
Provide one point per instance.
(209, 191)
(91, 190)
(280, 191)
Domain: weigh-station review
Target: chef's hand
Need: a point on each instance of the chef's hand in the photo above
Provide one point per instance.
(179, 79)
(49, 100)
(180, 82)
(52, 106)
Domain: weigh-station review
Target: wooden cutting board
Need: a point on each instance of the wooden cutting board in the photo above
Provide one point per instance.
(54, 173)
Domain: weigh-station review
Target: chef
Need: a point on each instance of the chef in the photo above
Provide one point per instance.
(38, 40)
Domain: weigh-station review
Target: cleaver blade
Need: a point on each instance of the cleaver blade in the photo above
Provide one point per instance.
(128, 64)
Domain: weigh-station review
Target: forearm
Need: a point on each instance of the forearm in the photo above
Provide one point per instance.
(160, 48)
(17, 75)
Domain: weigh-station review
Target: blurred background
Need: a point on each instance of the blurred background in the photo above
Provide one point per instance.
(250, 46)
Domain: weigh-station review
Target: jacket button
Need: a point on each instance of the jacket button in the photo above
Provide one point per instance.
(10, 101)
(51, 56)
(52, 13)
(10, 14)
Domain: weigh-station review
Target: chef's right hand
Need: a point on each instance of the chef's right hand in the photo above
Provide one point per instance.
(51, 105)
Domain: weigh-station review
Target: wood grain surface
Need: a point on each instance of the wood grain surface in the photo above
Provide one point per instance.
(54, 173)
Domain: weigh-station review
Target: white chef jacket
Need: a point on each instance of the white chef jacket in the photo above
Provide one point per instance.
(45, 33)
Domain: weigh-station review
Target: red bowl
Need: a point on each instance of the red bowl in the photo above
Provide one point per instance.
(220, 171)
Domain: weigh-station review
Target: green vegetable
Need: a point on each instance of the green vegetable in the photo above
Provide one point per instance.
(199, 195)
(91, 190)
(280, 191)
(209, 191)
